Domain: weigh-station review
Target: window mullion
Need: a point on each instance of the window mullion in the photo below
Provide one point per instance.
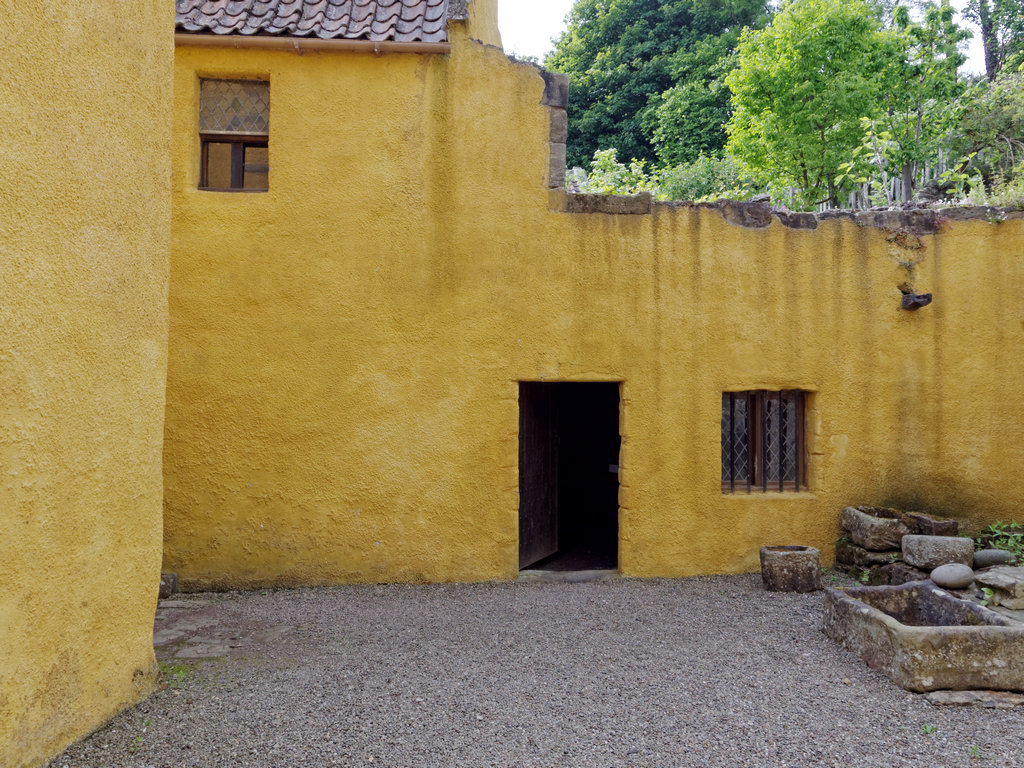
(782, 442)
(798, 409)
(754, 441)
(238, 165)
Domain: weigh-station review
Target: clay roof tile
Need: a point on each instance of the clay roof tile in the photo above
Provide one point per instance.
(399, 20)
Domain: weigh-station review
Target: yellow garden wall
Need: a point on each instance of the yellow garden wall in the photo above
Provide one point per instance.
(84, 243)
(345, 348)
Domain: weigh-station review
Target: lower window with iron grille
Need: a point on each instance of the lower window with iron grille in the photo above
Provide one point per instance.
(763, 441)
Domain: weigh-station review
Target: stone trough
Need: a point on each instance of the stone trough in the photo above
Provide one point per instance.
(925, 639)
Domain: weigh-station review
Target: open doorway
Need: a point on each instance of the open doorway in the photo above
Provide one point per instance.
(568, 475)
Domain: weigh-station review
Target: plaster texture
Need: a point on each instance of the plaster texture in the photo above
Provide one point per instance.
(84, 244)
(924, 639)
(346, 348)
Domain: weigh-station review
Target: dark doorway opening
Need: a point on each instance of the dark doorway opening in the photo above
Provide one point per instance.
(568, 475)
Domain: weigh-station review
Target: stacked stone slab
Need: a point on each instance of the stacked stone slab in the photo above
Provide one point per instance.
(873, 541)
(929, 552)
(1006, 585)
(895, 547)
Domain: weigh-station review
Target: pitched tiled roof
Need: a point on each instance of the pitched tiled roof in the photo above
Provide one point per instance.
(400, 20)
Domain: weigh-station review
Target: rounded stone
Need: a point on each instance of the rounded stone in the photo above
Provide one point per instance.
(953, 576)
(986, 558)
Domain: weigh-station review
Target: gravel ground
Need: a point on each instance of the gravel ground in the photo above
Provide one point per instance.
(710, 671)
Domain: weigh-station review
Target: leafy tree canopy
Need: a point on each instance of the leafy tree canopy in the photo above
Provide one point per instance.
(918, 90)
(802, 86)
(645, 74)
(1002, 33)
(831, 87)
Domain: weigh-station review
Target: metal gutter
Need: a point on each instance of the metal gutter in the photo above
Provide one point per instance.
(307, 44)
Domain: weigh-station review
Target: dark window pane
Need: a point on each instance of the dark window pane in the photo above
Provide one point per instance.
(735, 422)
(257, 168)
(772, 425)
(726, 429)
(218, 165)
(741, 440)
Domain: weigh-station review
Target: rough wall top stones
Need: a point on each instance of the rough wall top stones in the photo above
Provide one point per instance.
(403, 21)
(758, 213)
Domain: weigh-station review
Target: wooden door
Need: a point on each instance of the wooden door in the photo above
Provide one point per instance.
(538, 472)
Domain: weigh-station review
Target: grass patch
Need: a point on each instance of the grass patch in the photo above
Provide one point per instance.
(174, 675)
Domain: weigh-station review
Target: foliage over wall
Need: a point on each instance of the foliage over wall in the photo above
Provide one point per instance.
(646, 75)
(852, 104)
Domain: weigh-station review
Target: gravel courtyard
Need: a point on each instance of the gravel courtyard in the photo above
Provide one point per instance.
(709, 671)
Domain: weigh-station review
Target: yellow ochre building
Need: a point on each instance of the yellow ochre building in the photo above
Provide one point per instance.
(294, 288)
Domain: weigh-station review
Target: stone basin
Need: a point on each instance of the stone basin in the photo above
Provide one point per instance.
(925, 639)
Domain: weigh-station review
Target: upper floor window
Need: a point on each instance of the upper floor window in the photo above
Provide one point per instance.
(234, 125)
(763, 441)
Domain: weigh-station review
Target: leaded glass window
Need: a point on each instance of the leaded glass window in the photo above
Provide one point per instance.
(234, 127)
(763, 441)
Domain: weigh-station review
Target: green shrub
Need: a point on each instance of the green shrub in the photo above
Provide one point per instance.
(706, 178)
(1000, 535)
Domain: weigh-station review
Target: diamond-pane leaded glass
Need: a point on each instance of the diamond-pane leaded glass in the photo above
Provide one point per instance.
(761, 434)
(789, 416)
(780, 437)
(735, 420)
(234, 106)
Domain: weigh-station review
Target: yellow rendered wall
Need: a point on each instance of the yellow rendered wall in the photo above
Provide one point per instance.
(345, 348)
(483, 21)
(84, 246)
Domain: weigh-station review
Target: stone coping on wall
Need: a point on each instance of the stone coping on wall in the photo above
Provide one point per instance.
(758, 214)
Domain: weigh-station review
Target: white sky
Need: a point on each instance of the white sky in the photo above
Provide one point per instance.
(528, 26)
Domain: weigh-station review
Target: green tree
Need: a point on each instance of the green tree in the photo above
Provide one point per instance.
(802, 86)
(688, 120)
(990, 133)
(1002, 33)
(919, 91)
(623, 55)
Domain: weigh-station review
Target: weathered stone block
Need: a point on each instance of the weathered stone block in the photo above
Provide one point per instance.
(928, 525)
(924, 639)
(953, 576)
(986, 699)
(986, 558)
(1007, 585)
(168, 584)
(798, 220)
(556, 89)
(633, 205)
(895, 574)
(875, 528)
(849, 554)
(750, 215)
(556, 174)
(559, 126)
(930, 552)
(791, 569)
